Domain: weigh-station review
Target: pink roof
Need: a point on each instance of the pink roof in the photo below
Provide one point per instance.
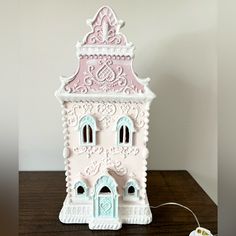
(99, 72)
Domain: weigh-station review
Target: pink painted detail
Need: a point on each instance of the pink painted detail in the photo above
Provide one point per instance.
(105, 74)
(105, 29)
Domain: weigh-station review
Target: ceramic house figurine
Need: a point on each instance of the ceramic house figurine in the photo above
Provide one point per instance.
(105, 109)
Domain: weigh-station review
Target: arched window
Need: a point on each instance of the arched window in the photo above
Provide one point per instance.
(125, 131)
(124, 135)
(87, 134)
(131, 190)
(105, 189)
(81, 190)
(87, 128)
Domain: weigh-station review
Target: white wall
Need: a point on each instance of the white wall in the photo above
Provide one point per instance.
(175, 46)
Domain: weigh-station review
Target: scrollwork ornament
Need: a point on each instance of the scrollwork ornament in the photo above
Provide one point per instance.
(72, 117)
(90, 150)
(92, 169)
(105, 162)
(106, 111)
(124, 151)
(76, 111)
(135, 112)
(105, 121)
(104, 78)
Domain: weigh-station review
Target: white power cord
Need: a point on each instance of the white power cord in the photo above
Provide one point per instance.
(177, 204)
(180, 205)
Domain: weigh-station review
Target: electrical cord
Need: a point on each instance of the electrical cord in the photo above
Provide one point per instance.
(180, 205)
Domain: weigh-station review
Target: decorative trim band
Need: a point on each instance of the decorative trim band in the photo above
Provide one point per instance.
(105, 50)
(148, 96)
(79, 213)
(105, 224)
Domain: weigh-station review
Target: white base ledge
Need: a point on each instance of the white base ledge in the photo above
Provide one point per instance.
(107, 224)
(78, 213)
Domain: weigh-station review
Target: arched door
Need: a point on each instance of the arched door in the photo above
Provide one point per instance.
(105, 202)
(106, 198)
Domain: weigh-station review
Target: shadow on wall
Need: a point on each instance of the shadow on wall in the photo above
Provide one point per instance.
(182, 77)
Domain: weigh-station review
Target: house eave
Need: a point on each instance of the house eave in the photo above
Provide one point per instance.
(148, 96)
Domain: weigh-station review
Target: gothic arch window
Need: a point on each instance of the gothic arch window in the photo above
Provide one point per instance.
(125, 129)
(81, 190)
(88, 129)
(131, 190)
(105, 189)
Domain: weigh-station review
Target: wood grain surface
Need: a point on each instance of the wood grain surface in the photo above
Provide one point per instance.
(42, 194)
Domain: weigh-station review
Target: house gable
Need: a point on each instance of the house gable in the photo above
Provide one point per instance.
(105, 63)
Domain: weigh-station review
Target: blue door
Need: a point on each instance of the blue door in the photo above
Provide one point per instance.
(105, 205)
(105, 199)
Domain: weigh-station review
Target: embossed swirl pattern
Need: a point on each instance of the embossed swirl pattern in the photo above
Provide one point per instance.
(106, 113)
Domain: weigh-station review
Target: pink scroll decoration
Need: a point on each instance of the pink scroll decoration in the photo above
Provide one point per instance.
(104, 75)
(105, 29)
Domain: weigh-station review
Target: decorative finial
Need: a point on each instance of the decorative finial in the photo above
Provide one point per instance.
(105, 29)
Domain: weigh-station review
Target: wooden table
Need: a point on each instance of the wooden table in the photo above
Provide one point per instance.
(42, 195)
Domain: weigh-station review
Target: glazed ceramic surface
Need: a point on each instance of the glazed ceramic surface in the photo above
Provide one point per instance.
(105, 109)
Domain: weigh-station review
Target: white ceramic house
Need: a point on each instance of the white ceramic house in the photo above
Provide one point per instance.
(105, 109)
